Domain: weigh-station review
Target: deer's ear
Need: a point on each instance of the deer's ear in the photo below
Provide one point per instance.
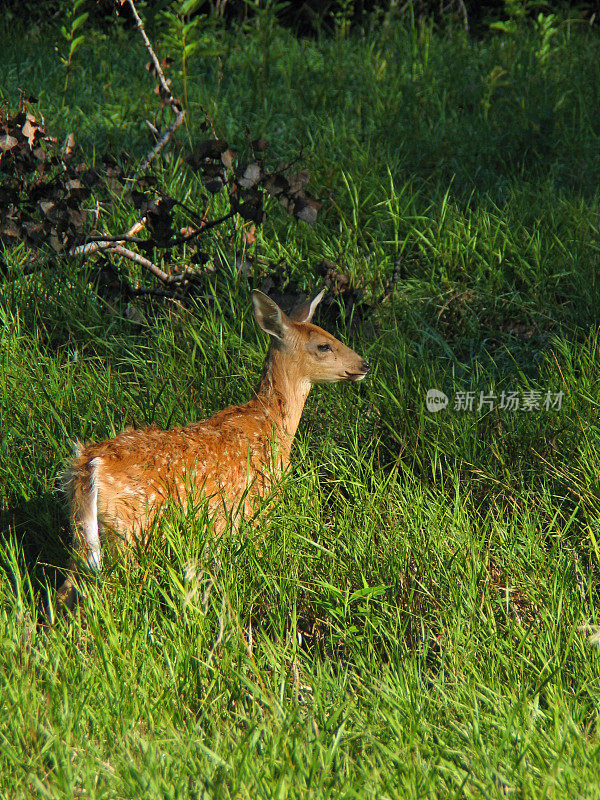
(269, 316)
(304, 312)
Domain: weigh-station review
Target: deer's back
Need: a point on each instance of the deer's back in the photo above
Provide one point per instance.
(227, 458)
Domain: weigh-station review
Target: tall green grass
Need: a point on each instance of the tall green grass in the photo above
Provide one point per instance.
(416, 615)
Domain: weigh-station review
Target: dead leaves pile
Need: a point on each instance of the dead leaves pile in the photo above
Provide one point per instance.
(49, 197)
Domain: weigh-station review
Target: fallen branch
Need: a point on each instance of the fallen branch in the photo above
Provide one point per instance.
(140, 260)
(101, 243)
(91, 247)
(169, 280)
(106, 241)
(120, 238)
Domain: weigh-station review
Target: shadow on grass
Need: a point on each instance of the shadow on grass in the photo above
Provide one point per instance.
(35, 540)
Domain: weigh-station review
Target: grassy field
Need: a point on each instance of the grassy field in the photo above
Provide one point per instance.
(419, 615)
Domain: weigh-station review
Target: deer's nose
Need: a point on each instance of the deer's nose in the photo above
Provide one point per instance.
(365, 365)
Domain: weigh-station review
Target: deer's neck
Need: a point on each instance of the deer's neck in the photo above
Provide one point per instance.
(281, 394)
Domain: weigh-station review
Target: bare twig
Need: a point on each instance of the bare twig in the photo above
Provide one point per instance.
(206, 226)
(90, 247)
(138, 259)
(170, 280)
(160, 144)
(173, 103)
(141, 223)
(106, 241)
(101, 243)
(121, 237)
(200, 220)
(159, 73)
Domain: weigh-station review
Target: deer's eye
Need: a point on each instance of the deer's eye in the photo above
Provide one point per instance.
(324, 348)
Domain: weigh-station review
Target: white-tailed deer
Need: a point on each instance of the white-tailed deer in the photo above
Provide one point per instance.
(232, 459)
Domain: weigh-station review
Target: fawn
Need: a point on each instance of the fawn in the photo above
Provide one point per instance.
(232, 458)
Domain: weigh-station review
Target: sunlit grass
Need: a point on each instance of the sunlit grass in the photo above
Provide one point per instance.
(412, 616)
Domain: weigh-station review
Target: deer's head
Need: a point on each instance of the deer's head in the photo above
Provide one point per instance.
(312, 354)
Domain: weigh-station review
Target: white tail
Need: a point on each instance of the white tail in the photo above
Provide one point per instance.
(233, 458)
